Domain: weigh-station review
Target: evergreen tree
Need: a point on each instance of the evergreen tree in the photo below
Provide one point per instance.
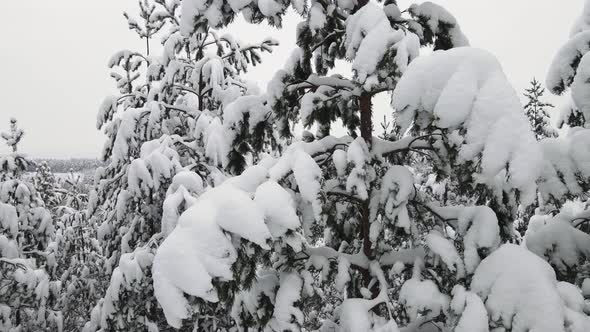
(29, 289)
(45, 184)
(14, 136)
(179, 117)
(536, 111)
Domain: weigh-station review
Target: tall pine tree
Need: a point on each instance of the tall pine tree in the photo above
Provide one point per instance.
(177, 127)
(348, 238)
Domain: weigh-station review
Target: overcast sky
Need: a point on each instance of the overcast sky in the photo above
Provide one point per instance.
(53, 73)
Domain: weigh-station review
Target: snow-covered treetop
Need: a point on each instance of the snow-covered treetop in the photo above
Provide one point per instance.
(536, 111)
(11, 166)
(13, 137)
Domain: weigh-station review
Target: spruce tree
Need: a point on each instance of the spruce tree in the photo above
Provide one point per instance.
(46, 185)
(536, 111)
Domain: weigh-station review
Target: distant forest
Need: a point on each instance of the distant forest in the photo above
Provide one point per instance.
(65, 165)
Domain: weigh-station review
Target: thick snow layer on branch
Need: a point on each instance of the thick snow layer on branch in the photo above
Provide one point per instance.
(396, 188)
(8, 220)
(278, 207)
(465, 88)
(581, 87)
(566, 158)
(198, 249)
(447, 252)
(287, 316)
(438, 18)
(238, 214)
(422, 296)
(306, 171)
(560, 242)
(368, 36)
(129, 272)
(266, 284)
(565, 62)
(358, 155)
(234, 114)
(583, 22)
(216, 143)
(519, 290)
(126, 135)
(479, 228)
(474, 317)
(199, 9)
(317, 17)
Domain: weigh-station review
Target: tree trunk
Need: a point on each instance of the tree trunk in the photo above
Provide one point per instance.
(366, 111)
(367, 135)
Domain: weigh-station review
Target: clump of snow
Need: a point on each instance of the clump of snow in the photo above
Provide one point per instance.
(278, 207)
(519, 290)
(571, 296)
(358, 155)
(317, 17)
(199, 249)
(583, 22)
(286, 316)
(479, 228)
(422, 298)
(270, 8)
(438, 19)
(340, 162)
(396, 187)
(474, 317)
(9, 219)
(581, 86)
(265, 284)
(368, 37)
(305, 170)
(447, 252)
(565, 159)
(565, 63)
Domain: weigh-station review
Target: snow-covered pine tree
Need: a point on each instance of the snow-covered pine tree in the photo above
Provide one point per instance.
(536, 111)
(13, 137)
(73, 191)
(29, 291)
(46, 185)
(79, 257)
(176, 128)
(349, 241)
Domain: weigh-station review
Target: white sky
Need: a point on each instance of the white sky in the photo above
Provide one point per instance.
(53, 73)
